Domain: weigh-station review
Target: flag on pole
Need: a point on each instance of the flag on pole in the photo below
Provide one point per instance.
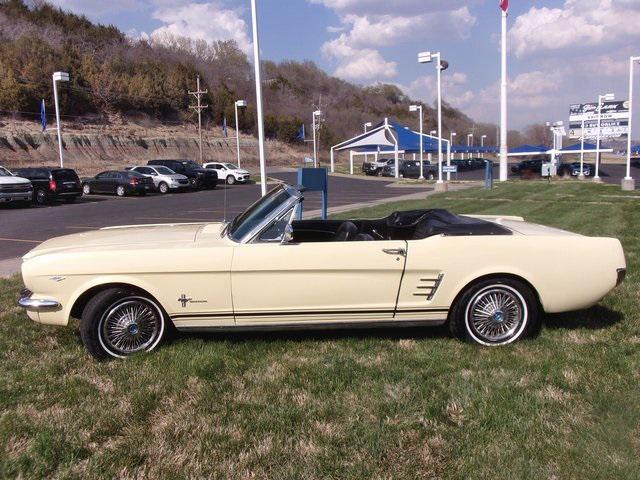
(43, 116)
(504, 5)
(224, 127)
(301, 134)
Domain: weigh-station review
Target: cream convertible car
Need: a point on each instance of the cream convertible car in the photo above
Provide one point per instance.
(488, 277)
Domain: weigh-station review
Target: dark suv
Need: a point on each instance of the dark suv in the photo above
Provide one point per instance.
(51, 184)
(198, 177)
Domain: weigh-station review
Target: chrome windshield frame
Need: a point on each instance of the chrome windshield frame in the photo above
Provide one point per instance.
(295, 197)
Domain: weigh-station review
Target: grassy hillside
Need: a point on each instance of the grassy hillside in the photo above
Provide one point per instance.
(115, 77)
(380, 404)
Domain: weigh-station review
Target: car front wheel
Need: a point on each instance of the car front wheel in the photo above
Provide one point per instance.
(495, 312)
(231, 179)
(163, 188)
(86, 189)
(118, 322)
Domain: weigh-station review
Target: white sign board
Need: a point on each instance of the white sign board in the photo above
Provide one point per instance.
(614, 120)
(450, 169)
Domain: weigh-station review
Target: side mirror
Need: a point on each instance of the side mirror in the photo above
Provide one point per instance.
(287, 236)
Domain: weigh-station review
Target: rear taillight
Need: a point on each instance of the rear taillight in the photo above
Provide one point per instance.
(134, 181)
(53, 185)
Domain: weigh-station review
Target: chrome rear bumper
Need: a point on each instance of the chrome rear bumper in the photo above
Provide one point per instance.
(37, 304)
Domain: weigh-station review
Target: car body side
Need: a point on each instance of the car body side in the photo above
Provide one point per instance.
(192, 271)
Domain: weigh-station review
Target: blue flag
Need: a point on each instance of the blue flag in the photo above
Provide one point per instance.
(224, 127)
(301, 134)
(43, 116)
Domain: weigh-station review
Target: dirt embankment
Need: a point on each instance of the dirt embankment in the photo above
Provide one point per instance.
(90, 149)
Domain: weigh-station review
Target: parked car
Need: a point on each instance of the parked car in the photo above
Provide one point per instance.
(476, 163)
(411, 169)
(573, 169)
(255, 272)
(375, 168)
(51, 184)
(164, 179)
(228, 172)
(533, 166)
(199, 177)
(635, 162)
(14, 188)
(118, 183)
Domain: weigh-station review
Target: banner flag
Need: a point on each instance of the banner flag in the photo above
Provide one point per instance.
(43, 116)
(504, 5)
(301, 134)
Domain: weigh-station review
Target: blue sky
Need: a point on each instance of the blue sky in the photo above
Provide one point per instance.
(560, 51)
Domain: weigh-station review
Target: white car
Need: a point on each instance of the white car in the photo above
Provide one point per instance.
(163, 178)
(228, 172)
(14, 189)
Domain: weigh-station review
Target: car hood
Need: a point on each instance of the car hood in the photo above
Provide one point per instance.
(13, 180)
(120, 238)
(177, 176)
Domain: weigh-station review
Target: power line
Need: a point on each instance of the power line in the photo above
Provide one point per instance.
(199, 107)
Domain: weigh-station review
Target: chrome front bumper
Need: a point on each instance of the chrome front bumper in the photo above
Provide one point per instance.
(37, 304)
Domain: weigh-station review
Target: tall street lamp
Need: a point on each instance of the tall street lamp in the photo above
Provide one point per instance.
(256, 68)
(482, 140)
(629, 183)
(469, 144)
(316, 114)
(427, 57)
(238, 104)
(59, 77)
(418, 108)
(601, 98)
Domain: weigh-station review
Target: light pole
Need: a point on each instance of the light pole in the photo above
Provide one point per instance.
(317, 113)
(433, 134)
(238, 104)
(418, 108)
(256, 67)
(59, 77)
(482, 140)
(601, 98)
(469, 143)
(581, 174)
(427, 57)
(367, 125)
(629, 183)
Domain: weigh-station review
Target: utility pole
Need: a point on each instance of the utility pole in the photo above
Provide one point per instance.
(198, 108)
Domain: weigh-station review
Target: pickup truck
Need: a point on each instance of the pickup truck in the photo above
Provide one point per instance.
(13, 188)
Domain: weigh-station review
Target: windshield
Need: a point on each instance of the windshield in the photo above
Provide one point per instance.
(191, 164)
(231, 166)
(4, 172)
(164, 171)
(253, 216)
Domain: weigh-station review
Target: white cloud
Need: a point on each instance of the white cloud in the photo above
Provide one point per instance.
(577, 23)
(455, 90)
(359, 64)
(203, 21)
(368, 25)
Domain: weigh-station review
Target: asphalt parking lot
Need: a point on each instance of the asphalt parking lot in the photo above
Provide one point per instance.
(21, 229)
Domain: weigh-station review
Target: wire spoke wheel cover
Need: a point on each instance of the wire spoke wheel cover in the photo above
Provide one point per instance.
(130, 325)
(496, 315)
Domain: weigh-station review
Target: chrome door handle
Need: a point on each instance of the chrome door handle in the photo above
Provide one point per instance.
(395, 251)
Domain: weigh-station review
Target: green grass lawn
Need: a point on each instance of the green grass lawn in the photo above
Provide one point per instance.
(383, 404)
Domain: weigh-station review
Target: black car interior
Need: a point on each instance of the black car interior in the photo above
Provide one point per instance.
(407, 225)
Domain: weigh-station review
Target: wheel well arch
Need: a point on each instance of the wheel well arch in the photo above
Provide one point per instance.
(496, 276)
(83, 299)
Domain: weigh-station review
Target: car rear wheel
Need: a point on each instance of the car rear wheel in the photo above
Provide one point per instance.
(86, 189)
(431, 176)
(40, 196)
(163, 188)
(231, 179)
(117, 323)
(120, 191)
(495, 312)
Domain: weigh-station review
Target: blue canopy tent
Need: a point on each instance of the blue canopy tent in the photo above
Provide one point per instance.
(588, 148)
(524, 150)
(635, 150)
(388, 136)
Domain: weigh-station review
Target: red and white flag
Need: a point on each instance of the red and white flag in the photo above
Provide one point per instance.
(504, 5)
